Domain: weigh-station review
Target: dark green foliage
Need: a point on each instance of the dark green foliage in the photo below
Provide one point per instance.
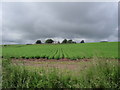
(38, 42)
(1, 56)
(82, 41)
(64, 41)
(26, 57)
(17, 58)
(69, 41)
(12, 57)
(4, 45)
(23, 57)
(32, 57)
(49, 41)
(37, 57)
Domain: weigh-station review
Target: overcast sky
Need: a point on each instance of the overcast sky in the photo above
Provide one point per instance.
(28, 22)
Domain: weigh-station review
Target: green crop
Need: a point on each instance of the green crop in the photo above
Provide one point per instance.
(58, 51)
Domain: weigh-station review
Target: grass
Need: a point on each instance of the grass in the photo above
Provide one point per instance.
(70, 51)
(101, 74)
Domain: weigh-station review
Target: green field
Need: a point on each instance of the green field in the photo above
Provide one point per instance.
(58, 51)
(100, 71)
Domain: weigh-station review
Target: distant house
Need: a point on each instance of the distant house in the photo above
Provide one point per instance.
(56, 42)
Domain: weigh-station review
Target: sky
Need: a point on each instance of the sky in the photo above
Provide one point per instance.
(26, 22)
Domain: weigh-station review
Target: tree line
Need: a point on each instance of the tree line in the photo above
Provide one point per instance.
(65, 41)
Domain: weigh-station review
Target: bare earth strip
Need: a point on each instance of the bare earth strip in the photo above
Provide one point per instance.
(61, 63)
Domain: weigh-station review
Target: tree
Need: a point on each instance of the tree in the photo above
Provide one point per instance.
(38, 42)
(69, 41)
(64, 41)
(49, 41)
(82, 41)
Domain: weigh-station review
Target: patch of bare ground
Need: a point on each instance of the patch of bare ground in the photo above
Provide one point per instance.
(51, 60)
(61, 63)
(80, 64)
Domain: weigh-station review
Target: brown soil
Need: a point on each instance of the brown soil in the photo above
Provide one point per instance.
(80, 64)
(61, 63)
(51, 60)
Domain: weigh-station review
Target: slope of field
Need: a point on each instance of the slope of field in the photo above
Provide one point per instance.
(58, 51)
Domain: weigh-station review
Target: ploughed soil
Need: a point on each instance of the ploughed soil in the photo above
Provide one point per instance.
(61, 63)
(51, 60)
(80, 64)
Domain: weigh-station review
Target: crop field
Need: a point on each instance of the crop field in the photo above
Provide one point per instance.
(86, 65)
(59, 45)
(60, 51)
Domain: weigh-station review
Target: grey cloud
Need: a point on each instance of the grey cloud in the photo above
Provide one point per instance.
(92, 21)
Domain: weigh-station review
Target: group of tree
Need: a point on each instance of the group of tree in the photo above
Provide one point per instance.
(82, 41)
(47, 41)
(68, 41)
(65, 41)
(38, 42)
